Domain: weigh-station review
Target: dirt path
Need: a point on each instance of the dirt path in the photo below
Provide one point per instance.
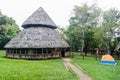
(79, 73)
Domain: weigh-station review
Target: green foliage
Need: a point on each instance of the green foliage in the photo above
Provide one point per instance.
(8, 29)
(98, 27)
(98, 37)
(16, 69)
(111, 20)
(74, 35)
(85, 19)
(85, 15)
(97, 71)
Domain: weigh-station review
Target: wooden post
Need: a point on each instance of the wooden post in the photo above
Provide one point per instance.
(42, 53)
(96, 54)
(36, 52)
(47, 52)
(60, 52)
(13, 52)
(20, 53)
(7, 51)
(25, 53)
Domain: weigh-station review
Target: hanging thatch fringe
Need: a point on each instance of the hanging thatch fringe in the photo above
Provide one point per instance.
(37, 37)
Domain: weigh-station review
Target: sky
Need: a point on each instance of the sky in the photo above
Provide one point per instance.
(59, 10)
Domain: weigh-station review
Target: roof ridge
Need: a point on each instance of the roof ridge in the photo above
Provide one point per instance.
(40, 19)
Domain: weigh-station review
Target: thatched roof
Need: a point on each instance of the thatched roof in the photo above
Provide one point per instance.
(37, 37)
(39, 18)
(39, 32)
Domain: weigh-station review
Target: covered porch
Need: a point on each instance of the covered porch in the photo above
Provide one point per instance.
(37, 53)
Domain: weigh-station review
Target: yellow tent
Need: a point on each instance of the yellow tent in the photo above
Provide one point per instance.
(107, 57)
(108, 60)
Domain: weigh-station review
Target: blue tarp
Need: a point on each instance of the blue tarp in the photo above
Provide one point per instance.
(108, 62)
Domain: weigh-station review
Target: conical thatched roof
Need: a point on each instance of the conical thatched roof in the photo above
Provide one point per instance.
(37, 37)
(39, 32)
(39, 18)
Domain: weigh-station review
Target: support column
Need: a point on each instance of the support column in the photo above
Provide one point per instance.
(60, 52)
(25, 53)
(36, 52)
(42, 53)
(20, 53)
(7, 51)
(13, 52)
(47, 52)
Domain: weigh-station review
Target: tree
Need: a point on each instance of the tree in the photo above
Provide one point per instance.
(85, 17)
(8, 29)
(98, 27)
(111, 20)
(74, 35)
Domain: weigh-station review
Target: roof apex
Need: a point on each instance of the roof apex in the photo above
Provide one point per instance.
(40, 19)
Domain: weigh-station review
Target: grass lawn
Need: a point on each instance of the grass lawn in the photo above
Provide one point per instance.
(16, 69)
(97, 71)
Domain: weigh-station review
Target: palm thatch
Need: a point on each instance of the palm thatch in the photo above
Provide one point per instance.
(37, 37)
(39, 32)
(39, 18)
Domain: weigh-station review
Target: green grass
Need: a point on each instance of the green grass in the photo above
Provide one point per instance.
(16, 69)
(97, 71)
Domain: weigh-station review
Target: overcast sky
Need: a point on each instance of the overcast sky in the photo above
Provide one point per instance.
(58, 10)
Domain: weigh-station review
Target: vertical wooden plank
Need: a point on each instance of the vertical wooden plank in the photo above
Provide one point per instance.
(7, 52)
(42, 53)
(13, 52)
(36, 52)
(47, 52)
(25, 53)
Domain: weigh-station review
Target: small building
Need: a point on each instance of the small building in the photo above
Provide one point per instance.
(38, 40)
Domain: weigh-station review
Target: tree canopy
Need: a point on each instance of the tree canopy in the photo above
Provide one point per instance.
(8, 29)
(98, 26)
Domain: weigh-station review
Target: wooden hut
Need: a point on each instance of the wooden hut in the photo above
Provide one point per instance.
(38, 40)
